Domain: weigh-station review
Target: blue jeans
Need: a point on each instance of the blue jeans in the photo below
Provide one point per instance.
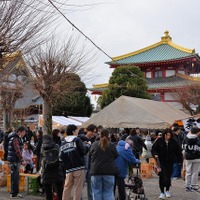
(176, 170)
(14, 167)
(103, 187)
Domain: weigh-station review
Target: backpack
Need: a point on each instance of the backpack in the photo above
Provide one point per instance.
(51, 159)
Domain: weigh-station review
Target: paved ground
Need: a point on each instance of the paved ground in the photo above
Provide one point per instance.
(150, 185)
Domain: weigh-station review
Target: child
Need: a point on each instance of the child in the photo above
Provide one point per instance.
(27, 155)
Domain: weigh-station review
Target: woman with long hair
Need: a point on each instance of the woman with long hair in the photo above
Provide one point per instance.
(166, 150)
(102, 167)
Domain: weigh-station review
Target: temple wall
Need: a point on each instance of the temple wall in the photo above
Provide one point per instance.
(170, 73)
(170, 96)
(148, 75)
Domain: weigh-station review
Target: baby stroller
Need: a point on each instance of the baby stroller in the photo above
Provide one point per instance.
(134, 185)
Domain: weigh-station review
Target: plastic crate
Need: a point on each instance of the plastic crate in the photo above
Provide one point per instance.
(146, 170)
(21, 183)
(6, 168)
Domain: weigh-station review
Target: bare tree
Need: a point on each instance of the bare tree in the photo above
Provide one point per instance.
(23, 25)
(49, 64)
(189, 97)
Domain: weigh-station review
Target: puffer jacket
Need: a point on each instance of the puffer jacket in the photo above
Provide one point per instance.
(191, 147)
(12, 155)
(53, 175)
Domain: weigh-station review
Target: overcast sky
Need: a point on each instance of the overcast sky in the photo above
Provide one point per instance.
(123, 26)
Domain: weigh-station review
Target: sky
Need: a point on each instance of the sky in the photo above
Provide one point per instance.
(123, 26)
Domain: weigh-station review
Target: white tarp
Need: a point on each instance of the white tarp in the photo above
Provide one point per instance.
(64, 121)
(79, 119)
(130, 112)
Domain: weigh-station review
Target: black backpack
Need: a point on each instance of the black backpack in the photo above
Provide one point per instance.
(51, 159)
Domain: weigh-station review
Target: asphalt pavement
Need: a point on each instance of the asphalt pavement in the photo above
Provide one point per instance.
(150, 185)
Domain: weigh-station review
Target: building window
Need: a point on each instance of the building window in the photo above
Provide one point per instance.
(157, 74)
(156, 97)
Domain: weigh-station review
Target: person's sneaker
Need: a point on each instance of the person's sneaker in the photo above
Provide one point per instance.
(195, 188)
(162, 196)
(167, 194)
(18, 196)
(189, 189)
(175, 178)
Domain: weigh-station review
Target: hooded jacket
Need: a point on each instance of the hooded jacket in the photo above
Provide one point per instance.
(191, 146)
(125, 157)
(72, 153)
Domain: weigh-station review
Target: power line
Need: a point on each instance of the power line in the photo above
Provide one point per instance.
(79, 30)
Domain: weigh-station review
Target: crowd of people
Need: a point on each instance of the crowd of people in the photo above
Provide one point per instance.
(67, 159)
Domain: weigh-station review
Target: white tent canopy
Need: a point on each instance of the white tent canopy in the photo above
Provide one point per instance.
(79, 119)
(130, 112)
(65, 121)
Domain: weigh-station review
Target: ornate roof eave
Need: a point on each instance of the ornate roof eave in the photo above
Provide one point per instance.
(166, 39)
(167, 89)
(162, 62)
(13, 61)
(102, 85)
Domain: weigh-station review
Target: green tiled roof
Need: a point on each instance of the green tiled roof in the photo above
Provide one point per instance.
(168, 82)
(163, 52)
(161, 83)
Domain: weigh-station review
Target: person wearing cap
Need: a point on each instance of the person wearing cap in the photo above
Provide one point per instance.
(191, 147)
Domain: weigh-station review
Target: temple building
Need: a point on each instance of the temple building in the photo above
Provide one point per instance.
(18, 97)
(167, 67)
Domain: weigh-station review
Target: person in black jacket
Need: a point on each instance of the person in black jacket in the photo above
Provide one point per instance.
(72, 155)
(37, 151)
(191, 147)
(56, 136)
(166, 150)
(102, 167)
(178, 136)
(5, 142)
(51, 176)
(138, 143)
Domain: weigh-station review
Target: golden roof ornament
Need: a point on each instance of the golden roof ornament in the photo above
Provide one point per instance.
(166, 37)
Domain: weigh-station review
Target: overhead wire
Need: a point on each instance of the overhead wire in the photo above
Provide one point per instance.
(69, 21)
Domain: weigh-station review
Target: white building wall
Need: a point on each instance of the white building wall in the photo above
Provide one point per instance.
(170, 96)
(148, 75)
(181, 72)
(170, 73)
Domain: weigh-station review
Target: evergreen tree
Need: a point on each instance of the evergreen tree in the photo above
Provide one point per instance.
(125, 80)
(72, 99)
